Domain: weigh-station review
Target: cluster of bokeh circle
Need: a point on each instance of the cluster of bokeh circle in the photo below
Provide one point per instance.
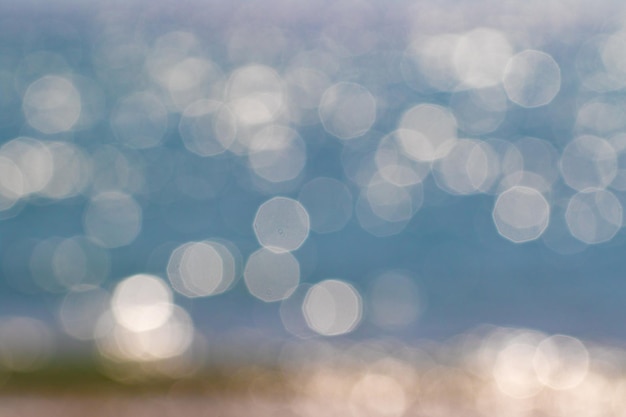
(259, 123)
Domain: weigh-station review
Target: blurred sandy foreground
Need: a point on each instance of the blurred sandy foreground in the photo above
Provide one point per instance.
(493, 371)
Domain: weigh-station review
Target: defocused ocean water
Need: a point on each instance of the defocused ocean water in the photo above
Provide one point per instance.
(232, 171)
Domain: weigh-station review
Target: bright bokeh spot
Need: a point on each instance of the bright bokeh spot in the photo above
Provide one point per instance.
(169, 50)
(347, 110)
(391, 202)
(200, 269)
(514, 372)
(521, 214)
(561, 362)
(71, 173)
(479, 111)
(594, 216)
(378, 395)
(332, 308)
(618, 142)
(532, 79)
(11, 183)
(207, 128)
(52, 104)
(79, 263)
(612, 53)
(277, 154)
(34, 160)
(192, 79)
(481, 56)
(142, 302)
(305, 88)
(393, 163)
(428, 132)
(170, 339)
(281, 224)
(471, 166)
(271, 276)
(81, 310)
(588, 162)
(256, 95)
(430, 63)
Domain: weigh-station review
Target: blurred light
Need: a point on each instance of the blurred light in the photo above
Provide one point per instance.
(170, 63)
(394, 300)
(200, 269)
(521, 214)
(193, 79)
(561, 362)
(590, 395)
(428, 132)
(277, 154)
(52, 104)
(26, 344)
(41, 265)
(525, 179)
(594, 216)
(332, 308)
(378, 395)
(471, 166)
(394, 165)
(593, 71)
(481, 56)
(170, 338)
(588, 162)
(256, 95)
(34, 161)
(532, 156)
(392, 203)
(558, 236)
(618, 142)
(328, 202)
(281, 224)
(532, 79)
(142, 302)
(113, 219)
(140, 120)
(599, 117)
(271, 276)
(292, 315)
(347, 110)
(430, 62)
(11, 183)
(115, 171)
(71, 173)
(514, 372)
(479, 111)
(375, 224)
(207, 128)
(305, 88)
(613, 57)
(78, 262)
(80, 311)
